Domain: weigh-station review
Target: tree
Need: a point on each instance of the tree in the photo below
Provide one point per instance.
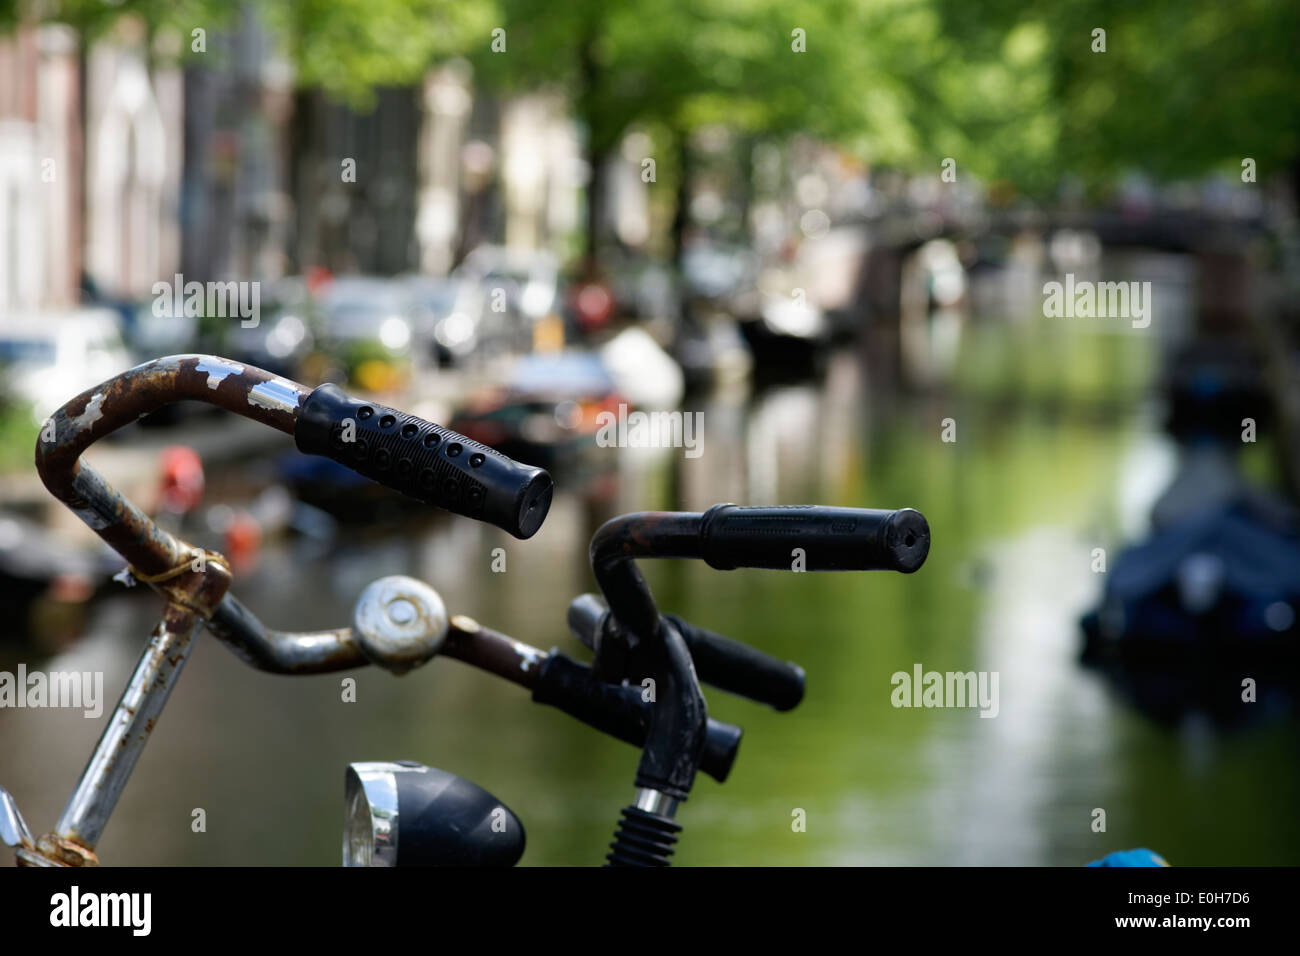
(347, 48)
(761, 67)
(1183, 87)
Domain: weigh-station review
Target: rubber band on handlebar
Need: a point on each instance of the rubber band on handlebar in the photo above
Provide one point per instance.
(171, 594)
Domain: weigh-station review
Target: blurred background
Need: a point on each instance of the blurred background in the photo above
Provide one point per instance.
(826, 226)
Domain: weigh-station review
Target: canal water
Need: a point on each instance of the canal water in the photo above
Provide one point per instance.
(1057, 452)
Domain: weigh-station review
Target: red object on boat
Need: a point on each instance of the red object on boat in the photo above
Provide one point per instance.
(243, 542)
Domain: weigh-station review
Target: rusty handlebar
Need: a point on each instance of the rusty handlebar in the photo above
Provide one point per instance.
(102, 410)
(401, 451)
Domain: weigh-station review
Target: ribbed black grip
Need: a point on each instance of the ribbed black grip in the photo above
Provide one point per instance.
(829, 539)
(740, 669)
(618, 710)
(424, 461)
(643, 839)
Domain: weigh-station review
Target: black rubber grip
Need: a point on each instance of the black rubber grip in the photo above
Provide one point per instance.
(827, 539)
(719, 661)
(424, 461)
(618, 710)
(740, 669)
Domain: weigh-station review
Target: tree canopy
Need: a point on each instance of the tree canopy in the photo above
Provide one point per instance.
(1013, 91)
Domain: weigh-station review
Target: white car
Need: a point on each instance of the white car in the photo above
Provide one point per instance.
(366, 308)
(47, 358)
(530, 280)
(449, 314)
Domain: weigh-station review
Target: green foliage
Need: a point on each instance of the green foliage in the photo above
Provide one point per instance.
(688, 64)
(1184, 86)
(95, 18)
(17, 436)
(350, 47)
(1012, 91)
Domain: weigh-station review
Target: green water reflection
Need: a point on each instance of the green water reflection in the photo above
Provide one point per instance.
(1047, 434)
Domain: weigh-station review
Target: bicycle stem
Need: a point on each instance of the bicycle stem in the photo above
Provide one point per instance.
(820, 538)
(80, 826)
(647, 832)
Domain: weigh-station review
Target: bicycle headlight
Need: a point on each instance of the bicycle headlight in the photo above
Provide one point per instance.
(440, 818)
(370, 814)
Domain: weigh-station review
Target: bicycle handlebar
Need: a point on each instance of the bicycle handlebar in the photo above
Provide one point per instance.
(440, 467)
(807, 538)
(483, 484)
(622, 711)
(790, 537)
(508, 494)
(830, 539)
(101, 410)
(553, 678)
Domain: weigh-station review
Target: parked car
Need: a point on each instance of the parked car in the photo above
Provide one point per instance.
(642, 288)
(284, 334)
(717, 273)
(49, 357)
(519, 289)
(150, 335)
(449, 316)
(367, 325)
(531, 280)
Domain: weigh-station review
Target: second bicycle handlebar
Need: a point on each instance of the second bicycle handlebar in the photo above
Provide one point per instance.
(823, 538)
(790, 537)
(643, 643)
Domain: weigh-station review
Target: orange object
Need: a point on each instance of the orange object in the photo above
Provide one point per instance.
(243, 542)
(182, 479)
(318, 277)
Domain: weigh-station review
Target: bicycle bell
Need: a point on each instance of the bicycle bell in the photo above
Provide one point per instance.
(399, 623)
